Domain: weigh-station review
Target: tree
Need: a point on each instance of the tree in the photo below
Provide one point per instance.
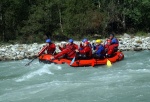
(30, 20)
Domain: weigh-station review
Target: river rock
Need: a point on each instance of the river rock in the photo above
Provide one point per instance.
(21, 51)
(137, 49)
(126, 35)
(2, 50)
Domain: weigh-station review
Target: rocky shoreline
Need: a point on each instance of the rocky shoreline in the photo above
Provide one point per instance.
(28, 51)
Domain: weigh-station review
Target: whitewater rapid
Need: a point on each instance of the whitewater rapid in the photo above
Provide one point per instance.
(125, 81)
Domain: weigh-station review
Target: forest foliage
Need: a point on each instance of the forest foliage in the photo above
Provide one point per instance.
(28, 21)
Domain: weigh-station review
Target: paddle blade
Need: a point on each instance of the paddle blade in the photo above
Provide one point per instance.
(109, 63)
(72, 60)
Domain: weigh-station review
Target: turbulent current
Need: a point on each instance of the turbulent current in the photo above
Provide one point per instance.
(126, 81)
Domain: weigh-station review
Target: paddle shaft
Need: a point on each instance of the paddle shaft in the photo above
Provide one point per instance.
(36, 56)
(30, 61)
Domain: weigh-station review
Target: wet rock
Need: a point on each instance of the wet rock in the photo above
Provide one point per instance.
(137, 49)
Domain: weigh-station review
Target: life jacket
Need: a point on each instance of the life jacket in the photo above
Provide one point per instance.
(89, 54)
(51, 48)
(71, 50)
(115, 42)
(100, 50)
(68, 52)
(86, 51)
(109, 49)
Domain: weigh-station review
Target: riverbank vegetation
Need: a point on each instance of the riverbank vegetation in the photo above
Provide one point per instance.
(28, 21)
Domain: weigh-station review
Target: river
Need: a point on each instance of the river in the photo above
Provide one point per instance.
(126, 81)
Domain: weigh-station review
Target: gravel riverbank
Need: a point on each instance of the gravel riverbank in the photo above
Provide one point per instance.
(22, 51)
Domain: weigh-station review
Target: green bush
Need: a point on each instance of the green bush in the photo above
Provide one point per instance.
(141, 33)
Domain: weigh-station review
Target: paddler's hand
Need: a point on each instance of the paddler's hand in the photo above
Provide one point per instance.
(77, 50)
(106, 55)
(37, 55)
(52, 58)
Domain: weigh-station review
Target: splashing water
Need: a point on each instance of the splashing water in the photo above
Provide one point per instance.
(125, 81)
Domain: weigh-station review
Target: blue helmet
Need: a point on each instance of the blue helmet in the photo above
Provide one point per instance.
(48, 41)
(84, 40)
(71, 40)
(112, 35)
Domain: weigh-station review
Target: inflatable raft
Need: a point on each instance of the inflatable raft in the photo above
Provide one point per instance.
(45, 58)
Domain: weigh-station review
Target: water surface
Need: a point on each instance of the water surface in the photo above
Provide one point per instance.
(125, 81)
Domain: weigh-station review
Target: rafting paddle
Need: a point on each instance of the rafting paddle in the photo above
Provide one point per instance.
(37, 56)
(109, 63)
(73, 60)
(31, 61)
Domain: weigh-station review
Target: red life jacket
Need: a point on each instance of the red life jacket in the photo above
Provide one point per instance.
(86, 51)
(69, 51)
(110, 49)
(51, 48)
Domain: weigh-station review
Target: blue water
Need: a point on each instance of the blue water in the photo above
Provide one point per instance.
(125, 81)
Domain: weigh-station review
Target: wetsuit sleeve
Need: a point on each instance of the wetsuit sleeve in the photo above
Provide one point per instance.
(60, 48)
(65, 51)
(76, 47)
(43, 49)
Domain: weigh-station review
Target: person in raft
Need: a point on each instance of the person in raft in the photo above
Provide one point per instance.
(109, 49)
(62, 46)
(68, 52)
(49, 48)
(82, 43)
(86, 52)
(114, 42)
(99, 50)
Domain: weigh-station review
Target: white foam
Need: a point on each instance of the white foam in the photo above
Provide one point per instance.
(54, 66)
(59, 67)
(41, 71)
(140, 71)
